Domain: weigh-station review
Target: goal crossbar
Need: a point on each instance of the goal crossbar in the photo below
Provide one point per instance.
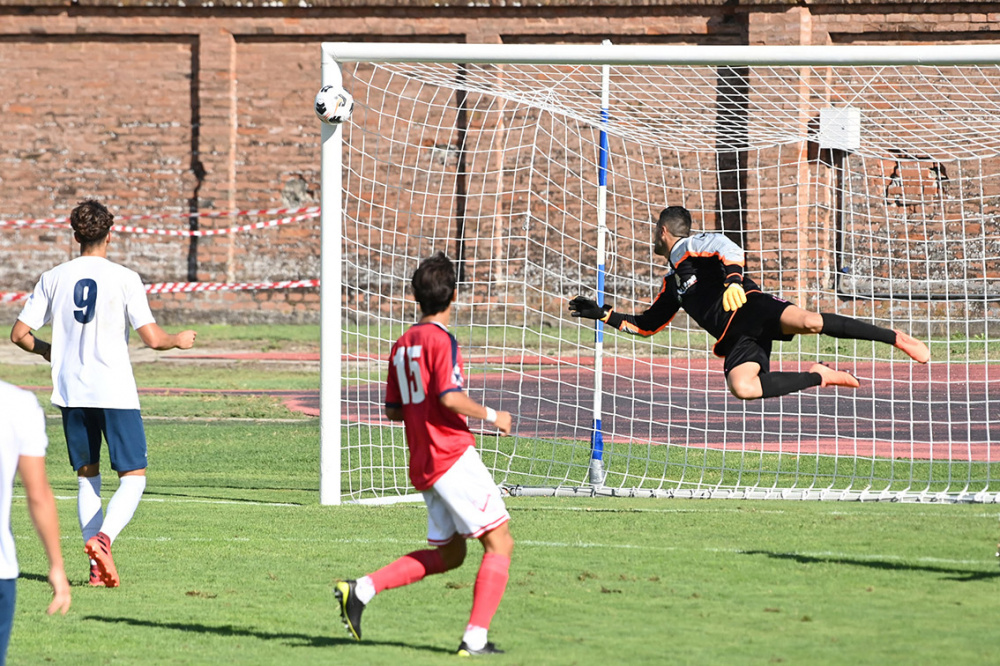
(629, 54)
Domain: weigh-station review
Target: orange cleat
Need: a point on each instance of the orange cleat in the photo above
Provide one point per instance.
(95, 577)
(914, 348)
(99, 549)
(833, 377)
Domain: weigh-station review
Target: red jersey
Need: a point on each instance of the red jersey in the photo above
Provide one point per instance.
(424, 364)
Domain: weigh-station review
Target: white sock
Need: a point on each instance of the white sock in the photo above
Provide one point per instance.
(88, 505)
(475, 637)
(123, 504)
(364, 589)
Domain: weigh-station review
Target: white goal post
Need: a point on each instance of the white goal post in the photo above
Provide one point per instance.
(862, 180)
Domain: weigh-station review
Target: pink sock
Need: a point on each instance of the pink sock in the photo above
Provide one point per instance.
(408, 569)
(491, 581)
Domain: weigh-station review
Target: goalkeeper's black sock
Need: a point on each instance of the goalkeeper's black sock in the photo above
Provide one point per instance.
(839, 326)
(773, 384)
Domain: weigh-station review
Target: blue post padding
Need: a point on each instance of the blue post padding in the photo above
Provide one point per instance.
(602, 169)
(597, 437)
(599, 328)
(597, 441)
(600, 284)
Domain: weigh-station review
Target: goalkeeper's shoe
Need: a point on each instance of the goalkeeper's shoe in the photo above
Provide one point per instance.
(831, 377)
(465, 651)
(98, 548)
(914, 348)
(350, 606)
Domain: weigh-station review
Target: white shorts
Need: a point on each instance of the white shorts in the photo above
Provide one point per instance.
(464, 500)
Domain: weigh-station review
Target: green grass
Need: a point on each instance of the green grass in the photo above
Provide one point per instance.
(230, 559)
(217, 391)
(247, 336)
(259, 337)
(234, 376)
(376, 458)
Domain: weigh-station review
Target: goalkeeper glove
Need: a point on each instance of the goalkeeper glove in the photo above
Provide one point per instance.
(733, 297)
(589, 309)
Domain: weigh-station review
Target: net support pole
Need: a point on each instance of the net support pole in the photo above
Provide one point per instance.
(597, 437)
(331, 247)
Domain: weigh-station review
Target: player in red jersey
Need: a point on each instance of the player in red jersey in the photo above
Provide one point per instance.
(425, 391)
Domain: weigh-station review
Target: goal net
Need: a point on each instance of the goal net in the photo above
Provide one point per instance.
(860, 181)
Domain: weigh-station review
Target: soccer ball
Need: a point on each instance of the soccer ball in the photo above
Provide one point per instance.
(334, 105)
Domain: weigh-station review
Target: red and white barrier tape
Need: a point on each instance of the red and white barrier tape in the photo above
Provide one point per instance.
(215, 232)
(188, 287)
(50, 221)
(183, 287)
(187, 232)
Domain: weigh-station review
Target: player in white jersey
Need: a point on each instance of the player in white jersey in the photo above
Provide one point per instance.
(91, 302)
(22, 449)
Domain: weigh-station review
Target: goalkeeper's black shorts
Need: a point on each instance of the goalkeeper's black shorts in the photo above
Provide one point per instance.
(752, 330)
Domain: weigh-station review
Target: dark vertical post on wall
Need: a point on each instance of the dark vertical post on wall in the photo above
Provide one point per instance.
(197, 168)
(461, 187)
(837, 159)
(732, 109)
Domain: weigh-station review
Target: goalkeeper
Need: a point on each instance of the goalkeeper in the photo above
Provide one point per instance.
(706, 278)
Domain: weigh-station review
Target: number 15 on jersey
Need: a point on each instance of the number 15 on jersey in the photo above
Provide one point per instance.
(411, 383)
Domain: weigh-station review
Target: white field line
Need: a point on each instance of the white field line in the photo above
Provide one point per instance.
(173, 500)
(739, 551)
(748, 511)
(831, 555)
(414, 505)
(560, 544)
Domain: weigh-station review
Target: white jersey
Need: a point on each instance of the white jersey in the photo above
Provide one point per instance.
(22, 433)
(91, 302)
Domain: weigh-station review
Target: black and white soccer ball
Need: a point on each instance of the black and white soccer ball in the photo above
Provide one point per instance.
(334, 105)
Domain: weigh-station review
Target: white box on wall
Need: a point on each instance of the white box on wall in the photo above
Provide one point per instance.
(840, 128)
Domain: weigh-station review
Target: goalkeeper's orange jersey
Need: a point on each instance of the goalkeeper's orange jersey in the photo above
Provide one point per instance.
(701, 267)
(424, 364)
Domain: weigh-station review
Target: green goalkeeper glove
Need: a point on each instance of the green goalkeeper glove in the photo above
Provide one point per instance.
(733, 297)
(589, 309)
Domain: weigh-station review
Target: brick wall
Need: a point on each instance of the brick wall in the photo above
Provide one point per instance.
(193, 106)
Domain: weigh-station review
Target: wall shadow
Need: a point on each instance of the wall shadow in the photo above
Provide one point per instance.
(949, 573)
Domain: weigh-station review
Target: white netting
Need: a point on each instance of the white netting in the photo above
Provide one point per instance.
(934, 113)
(497, 166)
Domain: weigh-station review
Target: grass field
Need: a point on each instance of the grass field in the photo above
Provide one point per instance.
(230, 559)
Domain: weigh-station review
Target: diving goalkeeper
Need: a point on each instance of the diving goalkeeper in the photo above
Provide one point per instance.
(706, 279)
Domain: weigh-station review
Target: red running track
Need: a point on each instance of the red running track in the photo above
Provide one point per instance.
(902, 410)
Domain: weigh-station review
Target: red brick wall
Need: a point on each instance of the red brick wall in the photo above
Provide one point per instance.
(206, 106)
